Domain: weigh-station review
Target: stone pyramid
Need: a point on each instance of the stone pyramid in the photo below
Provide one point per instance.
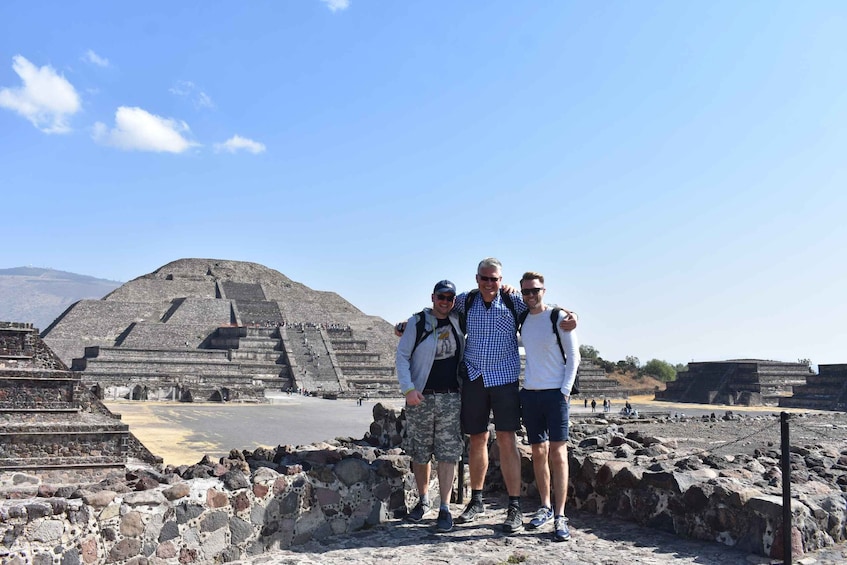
(213, 329)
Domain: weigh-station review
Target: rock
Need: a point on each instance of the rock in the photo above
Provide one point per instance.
(99, 499)
(124, 549)
(235, 480)
(177, 491)
(132, 524)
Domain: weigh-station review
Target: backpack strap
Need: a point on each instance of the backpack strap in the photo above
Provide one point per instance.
(420, 331)
(554, 319)
(510, 304)
(463, 317)
(521, 319)
(504, 296)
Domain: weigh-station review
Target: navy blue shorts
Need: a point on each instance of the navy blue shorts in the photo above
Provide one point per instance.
(545, 415)
(478, 401)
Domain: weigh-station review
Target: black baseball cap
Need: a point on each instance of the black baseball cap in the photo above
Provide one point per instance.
(444, 286)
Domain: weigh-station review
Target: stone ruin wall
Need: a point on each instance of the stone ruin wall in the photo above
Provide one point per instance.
(252, 502)
(89, 449)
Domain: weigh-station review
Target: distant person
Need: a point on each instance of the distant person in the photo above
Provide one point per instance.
(585, 400)
(427, 365)
(593, 405)
(545, 402)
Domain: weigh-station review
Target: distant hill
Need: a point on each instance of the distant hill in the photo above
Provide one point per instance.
(32, 294)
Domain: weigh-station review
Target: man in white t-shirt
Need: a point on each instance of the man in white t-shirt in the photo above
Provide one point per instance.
(545, 401)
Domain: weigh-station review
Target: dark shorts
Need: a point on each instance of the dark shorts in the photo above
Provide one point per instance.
(545, 415)
(478, 402)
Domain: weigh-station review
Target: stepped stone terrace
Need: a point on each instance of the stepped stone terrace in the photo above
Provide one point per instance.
(216, 330)
(825, 391)
(50, 425)
(749, 382)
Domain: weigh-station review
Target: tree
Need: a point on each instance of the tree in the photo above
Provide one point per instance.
(608, 366)
(633, 362)
(659, 369)
(588, 352)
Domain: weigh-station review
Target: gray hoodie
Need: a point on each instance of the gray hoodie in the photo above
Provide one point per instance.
(413, 370)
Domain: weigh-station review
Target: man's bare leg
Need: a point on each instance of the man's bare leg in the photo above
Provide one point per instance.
(478, 459)
(541, 469)
(510, 462)
(559, 464)
(446, 472)
(478, 463)
(421, 472)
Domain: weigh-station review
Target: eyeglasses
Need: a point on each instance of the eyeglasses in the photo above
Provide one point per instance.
(446, 297)
(488, 279)
(532, 291)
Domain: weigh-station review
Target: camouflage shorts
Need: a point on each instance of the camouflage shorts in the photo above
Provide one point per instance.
(433, 428)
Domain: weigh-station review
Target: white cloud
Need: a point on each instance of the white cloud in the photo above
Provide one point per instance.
(188, 89)
(182, 88)
(336, 5)
(204, 101)
(237, 143)
(95, 59)
(138, 130)
(46, 99)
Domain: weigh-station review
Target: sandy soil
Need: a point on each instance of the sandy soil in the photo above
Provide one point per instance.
(184, 433)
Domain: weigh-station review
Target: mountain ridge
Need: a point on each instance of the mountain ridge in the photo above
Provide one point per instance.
(38, 295)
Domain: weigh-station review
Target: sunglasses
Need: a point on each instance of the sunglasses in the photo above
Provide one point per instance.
(488, 279)
(532, 291)
(446, 297)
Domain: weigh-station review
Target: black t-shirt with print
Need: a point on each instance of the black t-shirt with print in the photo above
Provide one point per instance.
(443, 373)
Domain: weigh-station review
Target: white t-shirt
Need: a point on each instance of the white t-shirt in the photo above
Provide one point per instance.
(545, 368)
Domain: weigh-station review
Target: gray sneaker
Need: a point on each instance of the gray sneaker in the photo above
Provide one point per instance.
(472, 510)
(445, 521)
(419, 511)
(561, 530)
(541, 517)
(514, 520)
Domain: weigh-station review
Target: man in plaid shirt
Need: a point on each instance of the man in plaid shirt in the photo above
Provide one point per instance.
(493, 369)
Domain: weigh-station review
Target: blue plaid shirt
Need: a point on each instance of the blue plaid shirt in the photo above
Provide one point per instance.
(491, 348)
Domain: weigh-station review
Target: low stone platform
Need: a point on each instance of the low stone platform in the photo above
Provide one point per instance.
(827, 390)
(748, 382)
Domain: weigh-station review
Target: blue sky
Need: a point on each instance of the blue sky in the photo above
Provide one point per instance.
(675, 169)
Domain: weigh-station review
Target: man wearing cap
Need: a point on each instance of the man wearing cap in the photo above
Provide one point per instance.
(493, 367)
(427, 361)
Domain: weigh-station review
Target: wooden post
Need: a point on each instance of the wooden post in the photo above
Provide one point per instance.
(785, 464)
(460, 495)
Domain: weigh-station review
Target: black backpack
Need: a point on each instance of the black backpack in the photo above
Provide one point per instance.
(469, 299)
(554, 320)
(420, 331)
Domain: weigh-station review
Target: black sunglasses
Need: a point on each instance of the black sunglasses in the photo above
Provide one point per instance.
(488, 279)
(533, 291)
(447, 297)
